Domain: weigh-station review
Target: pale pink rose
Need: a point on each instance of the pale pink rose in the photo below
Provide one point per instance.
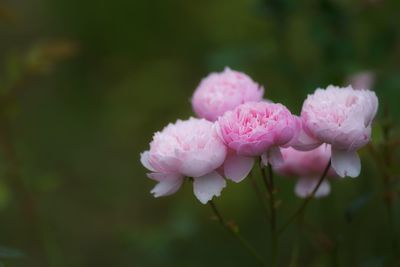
(255, 129)
(341, 117)
(189, 148)
(307, 166)
(220, 92)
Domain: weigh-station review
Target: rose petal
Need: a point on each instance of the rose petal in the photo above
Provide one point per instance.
(264, 159)
(285, 136)
(144, 159)
(306, 185)
(275, 156)
(207, 186)
(167, 187)
(236, 167)
(346, 163)
(305, 142)
(160, 177)
(194, 167)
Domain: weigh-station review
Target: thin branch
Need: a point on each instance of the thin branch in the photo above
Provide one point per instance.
(236, 234)
(260, 195)
(269, 184)
(306, 201)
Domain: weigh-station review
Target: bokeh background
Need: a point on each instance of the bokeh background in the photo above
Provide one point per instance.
(84, 84)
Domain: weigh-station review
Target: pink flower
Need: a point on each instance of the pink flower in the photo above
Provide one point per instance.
(308, 166)
(255, 129)
(189, 148)
(220, 92)
(341, 117)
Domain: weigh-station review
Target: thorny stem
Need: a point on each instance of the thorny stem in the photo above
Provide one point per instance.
(235, 233)
(300, 212)
(269, 184)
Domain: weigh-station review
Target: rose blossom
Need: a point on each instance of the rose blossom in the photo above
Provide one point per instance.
(189, 148)
(220, 92)
(255, 129)
(308, 166)
(341, 117)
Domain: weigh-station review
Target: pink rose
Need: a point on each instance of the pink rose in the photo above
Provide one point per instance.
(255, 129)
(341, 117)
(189, 148)
(220, 92)
(308, 166)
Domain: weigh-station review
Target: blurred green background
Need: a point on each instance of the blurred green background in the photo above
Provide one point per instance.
(84, 84)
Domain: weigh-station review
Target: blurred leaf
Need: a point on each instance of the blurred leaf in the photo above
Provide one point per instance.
(356, 205)
(4, 195)
(7, 15)
(42, 56)
(374, 262)
(377, 135)
(48, 182)
(14, 68)
(6, 253)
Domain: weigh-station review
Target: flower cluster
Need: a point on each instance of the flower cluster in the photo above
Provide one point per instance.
(236, 126)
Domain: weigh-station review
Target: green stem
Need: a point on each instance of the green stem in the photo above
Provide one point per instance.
(260, 195)
(235, 233)
(269, 184)
(388, 192)
(300, 212)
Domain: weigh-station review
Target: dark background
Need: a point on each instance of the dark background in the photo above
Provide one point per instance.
(84, 84)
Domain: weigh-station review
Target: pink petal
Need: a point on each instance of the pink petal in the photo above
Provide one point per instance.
(194, 167)
(275, 156)
(284, 136)
(236, 167)
(305, 142)
(264, 159)
(144, 159)
(207, 186)
(167, 187)
(160, 177)
(306, 185)
(346, 163)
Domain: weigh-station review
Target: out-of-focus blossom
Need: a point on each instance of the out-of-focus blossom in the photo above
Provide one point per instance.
(341, 117)
(362, 80)
(189, 148)
(307, 166)
(255, 129)
(220, 92)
